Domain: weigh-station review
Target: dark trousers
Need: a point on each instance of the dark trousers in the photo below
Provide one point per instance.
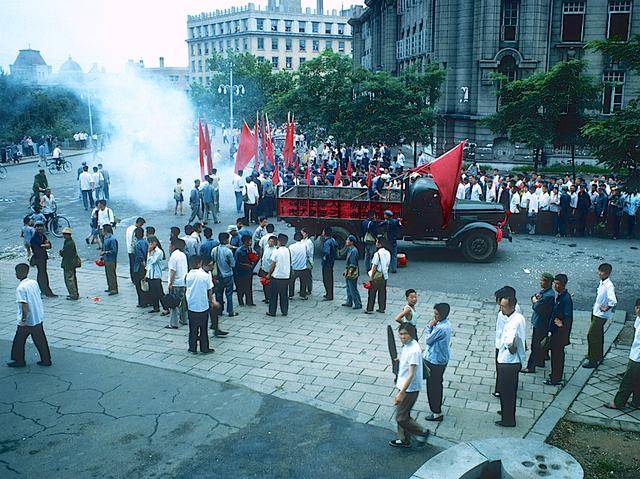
(265, 287)
(305, 279)
(131, 260)
(112, 279)
(434, 387)
(556, 345)
(213, 316)
(563, 224)
(595, 339)
(155, 292)
(71, 281)
(225, 292)
(631, 224)
(43, 277)
(143, 296)
(536, 358)
(244, 286)
(327, 280)
(407, 426)
(379, 288)
(629, 385)
(87, 199)
(39, 339)
(495, 389)
(508, 387)
(250, 214)
(278, 292)
(198, 330)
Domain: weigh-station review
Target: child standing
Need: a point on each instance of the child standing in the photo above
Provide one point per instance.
(26, 234)
(178, 196)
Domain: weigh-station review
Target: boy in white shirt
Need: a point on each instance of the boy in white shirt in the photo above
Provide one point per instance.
(630, 383)
(603, 309)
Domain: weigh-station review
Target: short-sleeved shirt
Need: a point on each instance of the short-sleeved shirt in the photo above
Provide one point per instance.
(298, 256)
(85, 180)
(178, 263)
(198, 283)
(382, 260)
(282, 258)
(410, 354)
(28, 292)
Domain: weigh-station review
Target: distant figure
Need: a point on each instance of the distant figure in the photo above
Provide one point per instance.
(178, 196)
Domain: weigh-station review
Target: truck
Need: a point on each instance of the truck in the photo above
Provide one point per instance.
(475, 227)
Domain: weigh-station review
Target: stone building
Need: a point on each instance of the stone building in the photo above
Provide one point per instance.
(283, 33)
(473, 39)
(30, 67)
(177, 77)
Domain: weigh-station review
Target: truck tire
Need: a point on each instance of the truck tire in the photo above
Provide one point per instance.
(479, 246)
(340, 235)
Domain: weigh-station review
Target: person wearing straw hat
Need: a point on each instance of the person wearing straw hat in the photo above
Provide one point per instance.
(70, 262)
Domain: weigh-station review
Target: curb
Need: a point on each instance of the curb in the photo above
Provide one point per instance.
(34, 159)
(603, 422)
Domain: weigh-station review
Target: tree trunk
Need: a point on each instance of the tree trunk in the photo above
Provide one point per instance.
(415, 154)
(573, 162)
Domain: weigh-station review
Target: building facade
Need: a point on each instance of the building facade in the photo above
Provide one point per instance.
(176, 77)
(30, 67)
(473, 39)
(282, 33)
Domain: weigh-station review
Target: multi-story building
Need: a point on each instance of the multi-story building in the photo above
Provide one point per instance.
(30, 67)
(282, 33)
(177, 77)
(473, 39)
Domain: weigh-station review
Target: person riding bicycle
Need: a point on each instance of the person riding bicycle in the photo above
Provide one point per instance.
(40, 185)
(48, 204)
(57, 156)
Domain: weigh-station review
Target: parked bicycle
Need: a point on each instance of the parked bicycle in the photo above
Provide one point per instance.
(3, 172)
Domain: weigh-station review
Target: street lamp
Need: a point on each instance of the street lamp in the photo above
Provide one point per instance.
(88, 97)
(231, 90)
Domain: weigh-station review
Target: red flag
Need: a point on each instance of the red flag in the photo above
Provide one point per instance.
(276, 176)
(297, 170)
(369, 179)
(270, 154)
(208, 149)
(287, 151)
(307, 174)
(246, 148)
(322, 168)
(256, 164)
(201, 149)
(378, 167)
(336, 181)
(349, 170)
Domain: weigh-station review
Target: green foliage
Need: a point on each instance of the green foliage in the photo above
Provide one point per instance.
(36, 111)
(625, 53)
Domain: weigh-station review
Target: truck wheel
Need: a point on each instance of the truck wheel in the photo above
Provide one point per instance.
(479, 246)
(340, 235)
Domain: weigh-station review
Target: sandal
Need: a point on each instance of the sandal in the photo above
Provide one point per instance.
(399, 443)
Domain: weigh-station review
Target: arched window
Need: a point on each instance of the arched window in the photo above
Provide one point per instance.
(508, 68)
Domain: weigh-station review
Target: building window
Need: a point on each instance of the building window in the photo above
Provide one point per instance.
(340, 28)
(327, 28)
(288, 62)
(260, 24)
(509, 20)
(274, 25)
(260, 59)
(619, 18)
(288, 44)
(316, 45)
(274, 43)
(508, 68)
(613, 90)
(245, 25)
(236, 26)
(245, 44)
(274, 62)
(193, 50)
(199, 65)
(236, 44)
(328, 45)
(302, 60)
(193, 66)
(302, 26)
(260, 43)
(287, 25)
(221, 46)
(341, 47)
(572, 21)
(303, 45)
(315, 27)
(199, 48)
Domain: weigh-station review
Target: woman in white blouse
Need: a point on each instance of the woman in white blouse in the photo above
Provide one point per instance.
(155, 256)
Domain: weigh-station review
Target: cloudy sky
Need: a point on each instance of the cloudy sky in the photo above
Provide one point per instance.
(108, 32)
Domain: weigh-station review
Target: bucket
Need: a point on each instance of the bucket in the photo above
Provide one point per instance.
(402, 260)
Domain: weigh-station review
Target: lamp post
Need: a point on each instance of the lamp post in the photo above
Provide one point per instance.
(231, 90)
(88, 97)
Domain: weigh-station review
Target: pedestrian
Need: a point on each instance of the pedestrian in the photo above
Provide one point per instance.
(409, 314)
(105, 216)
(437, 340)
(106, 182)
(199, 295)
(86, 187)
(195, 202)
(178, 269)
(97, 180)
(329, 254)
(532, 210)
(260, 231)
(511, 358)
(178, 196)
(110, 256)
(409, 384)
(265, 262)
(215, 185)
(39, 245)
(560, 328)
(279, 275)
(378, 276)
(245, 260)
(630, 383)
(500, 322)
(130, 241)
(155, 256)
(250, 199)
(26, 234)
(70, 262)
(390, 228)
(42, 156)
(207, 246)
(299, 269)
(351, 273)
(306, 239)
(139, 266)
(214, 312)
(603, 309)
(239, 186)
(30, 317)
(368, 235)
(582, 210)
(207, 199)
(191, 243)
(223, 258)
(542, 304)
(564, 213)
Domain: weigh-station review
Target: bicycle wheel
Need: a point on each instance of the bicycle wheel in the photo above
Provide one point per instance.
(57, 224)
(52, 168)
(67, 166)
(3, 172)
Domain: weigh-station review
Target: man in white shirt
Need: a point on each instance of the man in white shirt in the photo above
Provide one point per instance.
(98, 181)
(48, 204)
(545, 199)
(460, 192)
(178, 270)
(130, 242)
(299, 266)
(199, 296)
(532, 212)
(630, 383)
(86, 187)
(267, 249)
(105, 215)
(514, 203)
(500, 322)
(511, 359)
(409, 384)
(378, 276)
(603, 309)
(238, 189)
(30, 317)
(308, 242)
(251, 204)
(279, 274)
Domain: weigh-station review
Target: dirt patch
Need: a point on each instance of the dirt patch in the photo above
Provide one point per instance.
(602, 452)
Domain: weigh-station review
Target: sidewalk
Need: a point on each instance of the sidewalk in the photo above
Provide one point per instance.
(34, 159)
(322, 354)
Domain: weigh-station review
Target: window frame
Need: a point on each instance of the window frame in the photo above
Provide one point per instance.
(569, 9)
(503, 16)
(629, 13)
(613, 79)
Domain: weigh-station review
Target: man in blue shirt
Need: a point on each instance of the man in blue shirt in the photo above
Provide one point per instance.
(565, 211)
(390, 228)
(368, 235)
(436, 353)
(351, 275)
(244, 272)
(140, 251)
(195, 198)
(560, 328)
(206, 192)
(329, 253)
(110, 256)
(207, 245)
(542, 304)
(223, 258)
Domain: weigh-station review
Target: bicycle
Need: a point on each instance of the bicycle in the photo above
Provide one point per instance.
(56, 166)
(3, 172)
(56, 223)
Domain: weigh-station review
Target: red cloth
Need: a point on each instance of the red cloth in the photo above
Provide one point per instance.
(336, 181)
(287, 151)
(208, 149)
(378, 168)
(201, 149)
(307, 174)
(349, 170)
(276, 176)
(369, 179)
(269, 144)
(247, 148)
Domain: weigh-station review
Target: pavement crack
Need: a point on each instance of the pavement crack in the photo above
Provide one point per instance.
(155, 428)
(173, 399)
(6, 464)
